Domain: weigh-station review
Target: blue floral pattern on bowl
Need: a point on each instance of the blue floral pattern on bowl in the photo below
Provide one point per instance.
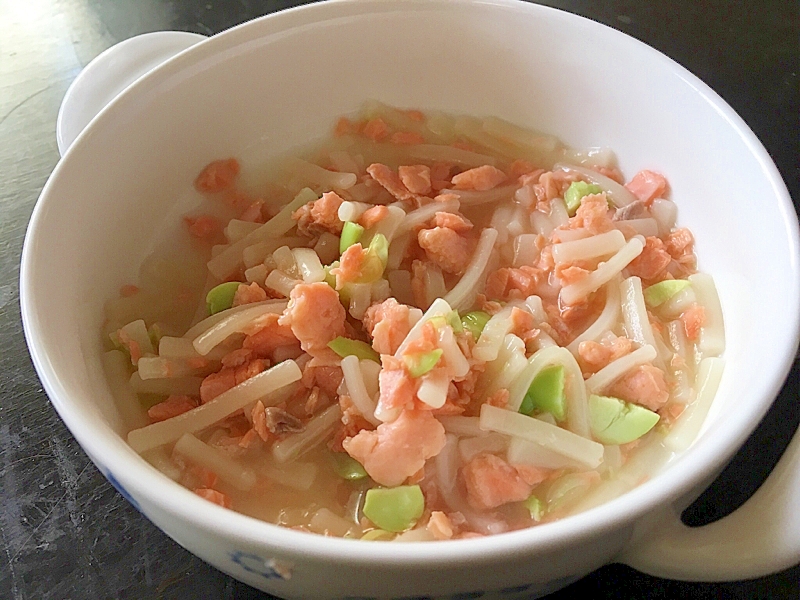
(123, 492)
(269, 568)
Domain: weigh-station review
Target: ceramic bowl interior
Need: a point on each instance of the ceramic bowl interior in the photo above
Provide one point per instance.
(281, 81)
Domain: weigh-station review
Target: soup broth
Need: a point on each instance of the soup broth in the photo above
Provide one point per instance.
(429, 327)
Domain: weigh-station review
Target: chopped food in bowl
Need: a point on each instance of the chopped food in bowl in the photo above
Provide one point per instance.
(148, 232)
(328, 381)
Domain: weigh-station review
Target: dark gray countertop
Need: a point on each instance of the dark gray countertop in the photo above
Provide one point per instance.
(66, 533)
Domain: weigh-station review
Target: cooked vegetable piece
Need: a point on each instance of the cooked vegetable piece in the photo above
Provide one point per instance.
(394, 509)
(424, 362)
(347, 467)
(378, 535)
(475, 321)
(614, 421)
(351, 234)
(375, 260)
(346, 347)
(379, 247)
(660, 292)
(454, 320)
(546, 393)
(536, 508)
(576, 191)
(220, 297)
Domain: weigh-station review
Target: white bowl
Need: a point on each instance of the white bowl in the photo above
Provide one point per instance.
(280, 81)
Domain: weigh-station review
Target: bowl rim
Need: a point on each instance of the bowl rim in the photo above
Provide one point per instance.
(179, 503)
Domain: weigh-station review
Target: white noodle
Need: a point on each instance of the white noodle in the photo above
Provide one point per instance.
(464, 292)
(433, 284)
(116, 365)
(492, 336)
(570, 235)
(672, 308)
(491, 442)
(617, 368)
(596, 246)
(494, 373)
(457, 364)
(541, 223)
(284, 260)
(616, 192)
(181, 386)
(516, 363)
(462, 426)
(665, 213)
(558, 212)
(209, 322)
(525, 250)
(634, 315)
(526, 452)
(536, 308)
(260, 251)
(326, 522)
(280, 282)
(162, 461)
(472, 129)
(137, 332)
(605, 322)
(180, 348)
(421, 216)
(398, 249)
(370, 371)
(357, 390)
(227, 261)
(316, 431)
(646, 226)
(343, 162)
(474, 198)
(257, 274)
(592, 157)
(712, 333)
(462, 158)
(218, 332)
(524, 138)
(388, 226)
(379, 290)
(236, 229)
(351, 211)
(574, 389)
(433, 388)
(526, 196)
(300, 477)
(218, 461)
(316, 176)
(360, 299)
(308, 265)
(574, 292)
(688, 427)
(157, 367)
(551, 437)
(259, 387)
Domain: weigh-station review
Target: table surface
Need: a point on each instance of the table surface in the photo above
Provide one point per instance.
(65, 531)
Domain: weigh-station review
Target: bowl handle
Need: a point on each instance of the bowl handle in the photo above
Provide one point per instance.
(110, 73)
(760, 537)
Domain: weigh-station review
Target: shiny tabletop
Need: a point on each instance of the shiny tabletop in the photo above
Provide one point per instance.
(66, 533)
